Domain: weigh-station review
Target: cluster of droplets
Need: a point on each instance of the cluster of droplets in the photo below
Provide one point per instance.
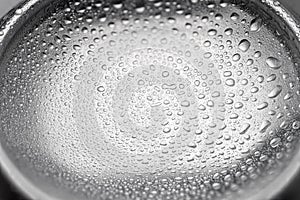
(151, 99)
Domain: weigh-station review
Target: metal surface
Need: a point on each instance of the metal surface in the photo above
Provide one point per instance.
(149, 99)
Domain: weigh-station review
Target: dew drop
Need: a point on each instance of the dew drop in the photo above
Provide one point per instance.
(101, 89)
(273, 63)
(234, 16)
(245, 128)
(262, 106)
(236, 57)
(296, 125)
(212, 32)
(192, 145)
(230, 82)
(264, 126)
(275, 142)
(244, 45)
(185, 103)
(140, 9)
(275, 92)
(255, 24)
(228, 31)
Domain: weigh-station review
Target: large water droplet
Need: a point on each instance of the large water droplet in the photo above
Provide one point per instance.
(212, 32)
(236, 57)
(244, 45)
(256, 24)
(230, 82)
(228, 31)
(234, 16)
(275, 142)
(275, 92)
(273, 63)
(264, 126)
(245, 128)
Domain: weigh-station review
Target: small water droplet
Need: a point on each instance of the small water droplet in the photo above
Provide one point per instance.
(192, 145)
(19, 11)
(118, 4)
(101, 89)
(262, 106)
(76, 47)
(185, 103)
(140, 9)
(165, 74)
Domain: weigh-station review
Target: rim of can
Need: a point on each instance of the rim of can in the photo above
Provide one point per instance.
(15, 19)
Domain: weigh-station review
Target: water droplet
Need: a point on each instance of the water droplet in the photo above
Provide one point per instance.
(167, 130)
(117, 4)
(234, 16)
(19, 11)
(185, 103)
(262, 106)
(244, 45)
(76, 47)
(230, 82)
(140, 9)
(216, 186)
(219, 16)
(212, 32)
(275, 92)
(207, 43)
(245, 128)
(192, 145)
(250, 62)
(264, 126)
(207, 55)
(271, 78)
(257, 54)
(273, 63)
(275, 142)
(165, 74)
(228, 31)
(101, 89)
(296, 125)
(255, 24)
(236, 57)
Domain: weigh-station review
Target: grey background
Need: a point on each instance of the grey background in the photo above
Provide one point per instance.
(6, 5)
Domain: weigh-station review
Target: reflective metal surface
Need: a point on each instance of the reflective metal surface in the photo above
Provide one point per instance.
(149, 99)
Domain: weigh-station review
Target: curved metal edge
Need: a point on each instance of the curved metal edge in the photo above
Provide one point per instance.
(9, 25)
(283, 180)
(17, 179)
(12, 19)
